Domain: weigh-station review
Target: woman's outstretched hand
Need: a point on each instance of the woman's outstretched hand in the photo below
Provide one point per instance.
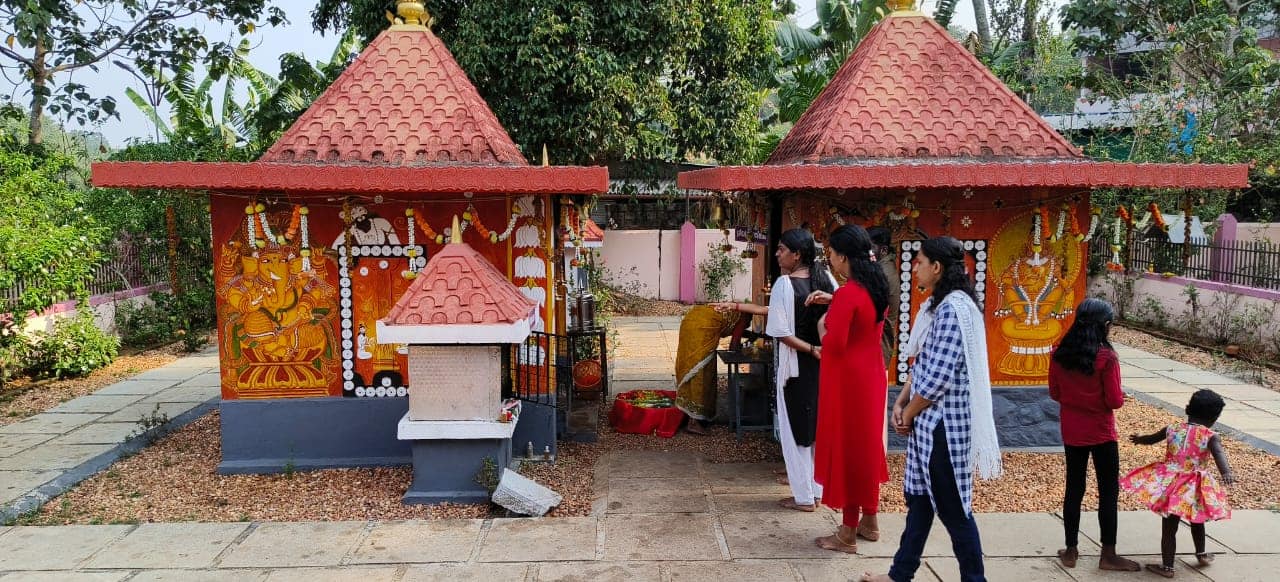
(818, 297)
(724, 306)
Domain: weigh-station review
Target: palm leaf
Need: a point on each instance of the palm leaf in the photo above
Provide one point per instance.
(795, 42)
(149, 111)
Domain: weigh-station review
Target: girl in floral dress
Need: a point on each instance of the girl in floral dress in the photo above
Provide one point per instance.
(1182, 486)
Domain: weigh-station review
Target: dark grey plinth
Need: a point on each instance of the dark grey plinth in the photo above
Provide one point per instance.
(1025, 418)
(538, 426)
(268, 436)
(450, 469)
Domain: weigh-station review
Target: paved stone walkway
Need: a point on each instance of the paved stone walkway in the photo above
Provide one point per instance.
(660, 516)
(1252, 413)
(44, 455)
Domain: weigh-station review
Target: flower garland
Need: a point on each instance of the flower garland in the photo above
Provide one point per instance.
(1038, 223)
(1157, 217)
(1124, 220)
(303, 211)
(1095, 216)
(1062, 223)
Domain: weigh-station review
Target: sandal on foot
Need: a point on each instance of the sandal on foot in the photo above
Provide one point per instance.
(871, 535)
(790, 503)
(1204, 559)
(835, 544)
(1068, 557)
(1160, 569)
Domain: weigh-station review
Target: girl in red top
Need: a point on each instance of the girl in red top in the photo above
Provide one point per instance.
(1084, 377)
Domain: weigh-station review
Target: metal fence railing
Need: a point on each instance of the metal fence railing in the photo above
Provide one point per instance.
(128, 265)
(1235, 262)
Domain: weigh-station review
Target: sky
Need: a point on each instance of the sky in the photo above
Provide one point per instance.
(297, 36)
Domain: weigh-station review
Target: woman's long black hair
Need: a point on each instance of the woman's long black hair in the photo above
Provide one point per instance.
(949, 253)
(1079, 348)
(854, 243)
(800, 241)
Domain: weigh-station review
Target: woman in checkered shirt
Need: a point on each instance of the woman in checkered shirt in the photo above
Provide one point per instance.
(946, 413)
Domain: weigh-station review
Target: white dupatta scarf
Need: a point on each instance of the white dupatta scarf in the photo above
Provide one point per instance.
(984, 452)
(782, 323)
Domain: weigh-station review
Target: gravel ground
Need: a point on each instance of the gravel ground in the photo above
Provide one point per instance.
(176, 480)
(1200, 358)
(24, 398)
(628, 304)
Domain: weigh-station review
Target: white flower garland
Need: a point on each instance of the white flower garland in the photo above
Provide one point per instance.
(306, 238)
(1094, 219)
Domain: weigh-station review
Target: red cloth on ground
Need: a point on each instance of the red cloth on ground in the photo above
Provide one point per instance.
(628, 418)
(1088, 400)
(849, 459)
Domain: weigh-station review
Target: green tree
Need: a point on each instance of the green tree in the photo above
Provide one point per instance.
(48, 40)
(1198, 64)
(811, 57)
(602, 81)
(300, 83)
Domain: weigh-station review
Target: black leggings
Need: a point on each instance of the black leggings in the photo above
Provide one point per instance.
(1106, 463)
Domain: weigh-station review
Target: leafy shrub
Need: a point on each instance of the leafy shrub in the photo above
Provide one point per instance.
(146, 325)
(15, 349)
(75, 347)
(718, 270)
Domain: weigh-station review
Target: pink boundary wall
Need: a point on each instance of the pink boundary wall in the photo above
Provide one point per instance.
(103, 307)
(633, 259)
(688, 267)
(1169, 291)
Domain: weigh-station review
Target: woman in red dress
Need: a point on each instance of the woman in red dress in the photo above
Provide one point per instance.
(850, 458)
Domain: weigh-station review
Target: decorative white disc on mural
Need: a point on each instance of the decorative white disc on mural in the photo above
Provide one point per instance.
(915, 245)
(346, 345)
(982, 255)
(382, 391)
(386, 250)
(905, 277)
(905, 297)
(979, 286)
(347, 353)
(968, 245)
(904, 337)
(906, 258)
(345, 292)
(906, 245)
(346, 325)
(902, 366)
(982, 244)
(905, 286)
(386, 381)
(348, 365)
(355, 251)
(903, 357)
(346, 333)
(903, 327)
(397, 251)
(401, 391)
(348, 374)
(348, 385)
(980, 276)
(982, 267)
(364, 271)
(421, 260)
(383, 265)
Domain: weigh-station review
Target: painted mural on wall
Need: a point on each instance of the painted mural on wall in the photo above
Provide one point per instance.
(300, 285)
(1026, 251)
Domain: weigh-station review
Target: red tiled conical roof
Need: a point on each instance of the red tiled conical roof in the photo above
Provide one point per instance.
(911, 91)
(403, 102)
(459, 286)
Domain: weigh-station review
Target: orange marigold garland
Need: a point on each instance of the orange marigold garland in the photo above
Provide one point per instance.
(1157, 217)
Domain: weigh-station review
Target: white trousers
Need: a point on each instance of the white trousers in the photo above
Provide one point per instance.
(799, 460)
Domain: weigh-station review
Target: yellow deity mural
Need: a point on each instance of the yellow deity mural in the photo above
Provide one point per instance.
(1037, 261)
(277, 318)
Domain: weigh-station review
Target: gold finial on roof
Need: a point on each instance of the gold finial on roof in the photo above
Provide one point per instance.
(455, 235)
(901, 5)
(412, 14)
(545, 163)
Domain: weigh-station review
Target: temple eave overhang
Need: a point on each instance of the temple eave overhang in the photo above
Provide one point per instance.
(909, 173)
(321, 179)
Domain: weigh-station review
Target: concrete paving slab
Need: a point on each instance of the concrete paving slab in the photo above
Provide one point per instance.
(199, 576)
(195, 394)
(784, 534)
(207, 380)
(466, 573)
(651, 465)
(1200, 378)
(101, 433)
(15, 484)
(1024, 535)
(345, 574)
(295, 544)
(1127, 371)
(851, 568)
(65, 576)
(1157, 386)
(49, 424)
(173, 373)
(738, 478)
(1138, 532)
(598, 572)
(750, 502)
(539, 540)
(1037, 569)
(135, 412)
(1250, 422)
(1248, 531)
(1248, 392)
(1238, 568)
(169, 545)
(667, 536)
(1159, 364)
(136, 386)
(1268, 406)
(758, 571)
(891, 526)
(418, 541)
(1086, 570)
(52, 455)
(99, 403)
(12, 444)
(55, 548)
(657, 496)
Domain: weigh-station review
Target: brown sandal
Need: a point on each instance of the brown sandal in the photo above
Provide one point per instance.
(1161, 569)
(1204, 559)
(1068, 557)
(835, 544)
(789, 503)
(871, 535)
